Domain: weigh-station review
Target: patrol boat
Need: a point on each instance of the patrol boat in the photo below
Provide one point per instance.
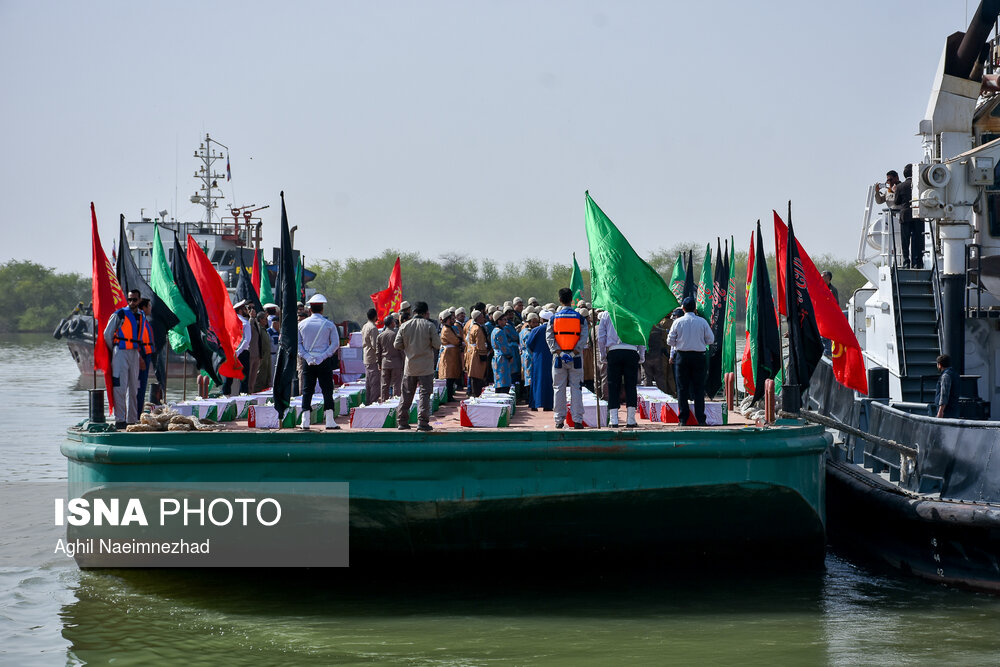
(228, 237)
(918, 492)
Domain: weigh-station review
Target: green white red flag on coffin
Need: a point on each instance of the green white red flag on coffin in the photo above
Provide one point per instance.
(848, 362)
(107, 297)
(388, 300)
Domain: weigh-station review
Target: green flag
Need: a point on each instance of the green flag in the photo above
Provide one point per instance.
(677, 278)
(161, 280)
(703, 301)
(729, 329)
(622, 283)
(266, 293)
(298, 280)
(576, 281)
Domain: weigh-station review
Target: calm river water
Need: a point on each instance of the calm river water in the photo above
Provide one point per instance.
(53, 614)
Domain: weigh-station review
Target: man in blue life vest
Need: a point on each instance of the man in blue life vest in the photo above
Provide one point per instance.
(127, 335)
(567, 335)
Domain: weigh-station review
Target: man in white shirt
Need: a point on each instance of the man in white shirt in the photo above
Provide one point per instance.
(318, 342)
(242, 350)
(623, 368)
(688, 338)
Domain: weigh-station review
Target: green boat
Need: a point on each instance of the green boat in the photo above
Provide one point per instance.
(523, 490)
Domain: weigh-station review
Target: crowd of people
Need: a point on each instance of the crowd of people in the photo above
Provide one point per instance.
(537, 352)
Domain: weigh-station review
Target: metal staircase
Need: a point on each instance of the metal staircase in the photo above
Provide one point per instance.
(917, 333)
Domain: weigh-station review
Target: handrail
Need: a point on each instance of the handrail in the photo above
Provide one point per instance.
(865, 225)
(979, 277)
(936, 289)
(901, 339)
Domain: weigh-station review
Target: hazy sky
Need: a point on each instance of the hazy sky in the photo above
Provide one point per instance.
(462, 127)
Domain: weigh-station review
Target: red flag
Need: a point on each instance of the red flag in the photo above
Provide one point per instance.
(222, 319)
(107, 296)
(848, 362)
(746, 363)
(255, 273)
(387, 301)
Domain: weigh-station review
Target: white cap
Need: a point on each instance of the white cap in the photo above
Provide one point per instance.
(532, 301)
(532, 317)
(546, 315)
(460, 309)
(270, 305)
(403, 306)
(444, 314)
(317, 298)
(240, 304)
(475, 314)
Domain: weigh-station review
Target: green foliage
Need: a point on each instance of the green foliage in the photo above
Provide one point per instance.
(33, 298)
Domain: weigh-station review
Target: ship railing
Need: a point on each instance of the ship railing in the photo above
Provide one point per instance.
(896, 299)
(936, 289)
(973, 266)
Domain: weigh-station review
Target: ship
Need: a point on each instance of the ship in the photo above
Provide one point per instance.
(229, 235)
(905, 487)
(525, 492)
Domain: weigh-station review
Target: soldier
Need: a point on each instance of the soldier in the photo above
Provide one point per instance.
(389, 360)
(418, 339)
(369, 336)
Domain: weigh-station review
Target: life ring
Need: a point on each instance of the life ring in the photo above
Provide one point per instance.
(74, 326)
(57, 334)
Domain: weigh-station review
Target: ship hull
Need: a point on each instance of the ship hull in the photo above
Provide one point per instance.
(948, 542)
(664, 492)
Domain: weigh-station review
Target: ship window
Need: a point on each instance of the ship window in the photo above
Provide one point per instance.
(228, 258)
(217, 257)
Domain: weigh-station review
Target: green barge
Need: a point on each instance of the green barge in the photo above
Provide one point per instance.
(527, 489)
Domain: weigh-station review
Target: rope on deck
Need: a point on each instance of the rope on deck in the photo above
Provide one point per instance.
(829, 422)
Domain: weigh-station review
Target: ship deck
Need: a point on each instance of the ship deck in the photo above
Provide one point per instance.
(447, 418)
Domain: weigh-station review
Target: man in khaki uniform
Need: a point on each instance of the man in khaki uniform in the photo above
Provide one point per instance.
(389, 359)
(418, 338)
(450, 363)
(369, 336)
(477, 358)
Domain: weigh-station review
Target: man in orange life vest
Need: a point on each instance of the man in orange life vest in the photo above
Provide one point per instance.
(567, 335)
(127, 335)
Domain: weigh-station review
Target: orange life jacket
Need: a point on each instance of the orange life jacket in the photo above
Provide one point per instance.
(567, 326)
(133, 332)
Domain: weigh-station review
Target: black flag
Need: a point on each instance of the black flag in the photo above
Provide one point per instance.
(720, 284)
(288, 339)
(163, 319)
(244, 287)
(205, 348)
(768, 339)
(805, 347)
(689, 286)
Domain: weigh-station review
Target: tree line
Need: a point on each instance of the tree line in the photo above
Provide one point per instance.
(35, 297)
(459, 280)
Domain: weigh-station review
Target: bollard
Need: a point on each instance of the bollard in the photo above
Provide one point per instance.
(791, 398)
(769, 401)
(96, 406)
(730, 383)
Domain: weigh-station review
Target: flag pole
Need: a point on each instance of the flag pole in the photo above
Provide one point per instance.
(597, 368)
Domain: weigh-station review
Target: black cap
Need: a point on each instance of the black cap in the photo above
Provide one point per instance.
(688, 303)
